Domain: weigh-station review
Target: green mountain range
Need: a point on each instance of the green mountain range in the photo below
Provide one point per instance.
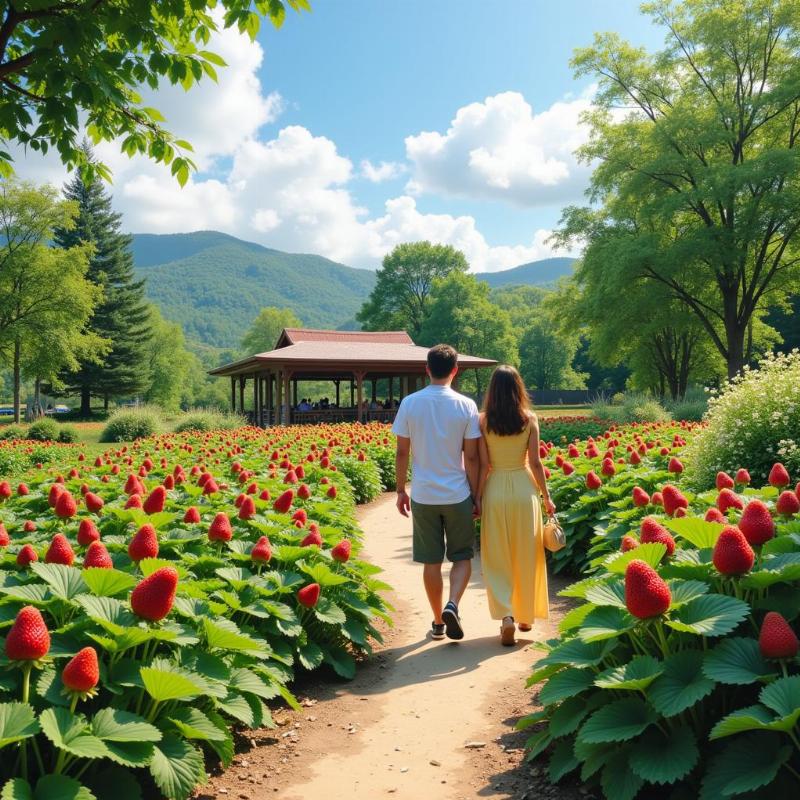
(214, 284)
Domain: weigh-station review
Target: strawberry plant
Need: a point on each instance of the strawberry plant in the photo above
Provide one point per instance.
(164, 592)
(677, 672)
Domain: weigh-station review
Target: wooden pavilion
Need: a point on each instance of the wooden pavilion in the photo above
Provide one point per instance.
(353, 358)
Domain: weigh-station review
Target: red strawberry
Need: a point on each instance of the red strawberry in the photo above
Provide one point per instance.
(55, 491)
(628, 543)
(640, 497)
(60, 551)
(169, 482)
(66, 506)
(191, 515)
(777, 639)
(154, 503)
(132, 485)
(284, 502)
(210, 487)
(715, 515)
(300, 516)
(28, 639)
(312, 538)
(23, 490)
(82, 673)
(264, 495)
(26, 555)
(341, 552)
(220, 529)
(675, 465)
(732, 553)
(87, 532)
(5, 539)
(646, 592)
(153, 597)
(724, 481)
(144, 544)
(300, 472)
(238, 501)
(607, 468)
(727, 499)
(331, 492)
(593, 480)
(5, 490)
(652, 531)
(635, 458)
(262, 551)
(134, 501)
(756, 523)
(742, 477)
(247, 510)
(303, 491)
(657, 499)
(778, 476)
(673, 499)
(252, 488)
(290, 477)
(787, 504)
(93, 502)
(97, 556)
(308, 596)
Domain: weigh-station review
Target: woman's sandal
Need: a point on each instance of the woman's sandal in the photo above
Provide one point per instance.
(507, 631)
(525, 627)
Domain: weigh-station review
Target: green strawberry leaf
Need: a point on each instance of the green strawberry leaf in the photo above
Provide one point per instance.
(60, 787)
(709, 615)
(657, 758)
(194, 724)
(562, 761)
(636, 675)
(682, 684)
(17, 722)
(170, 684)
(115, 725)
(617, 722)
(64, 582)
(107, 582)
(177, 767)
(16, 789)
(695, 530)
(70, 732)
(567, 683)
(651, 553)
(605, 623)
(736, 660)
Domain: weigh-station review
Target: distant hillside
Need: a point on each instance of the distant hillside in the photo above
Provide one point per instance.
(214, 284)
(536, 273)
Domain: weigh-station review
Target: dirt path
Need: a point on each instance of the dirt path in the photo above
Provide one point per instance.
(402, 728)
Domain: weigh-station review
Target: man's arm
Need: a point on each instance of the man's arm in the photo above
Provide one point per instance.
(472, 466)
(401, 471)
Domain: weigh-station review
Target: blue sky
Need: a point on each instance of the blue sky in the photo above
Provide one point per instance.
(367, 123)
(368, 73)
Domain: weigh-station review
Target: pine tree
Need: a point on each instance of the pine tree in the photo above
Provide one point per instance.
(122, 316)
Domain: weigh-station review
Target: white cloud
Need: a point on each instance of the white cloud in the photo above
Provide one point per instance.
(501, 149)
(293, 190)
(385, 171)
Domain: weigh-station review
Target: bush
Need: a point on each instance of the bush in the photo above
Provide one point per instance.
(208, 420)
(691, 407)
(363, 476)
(128, 424)
(753, 420)
(68, 434)
(665, 690)
(635, 407)
(43, 430)
(12, 432)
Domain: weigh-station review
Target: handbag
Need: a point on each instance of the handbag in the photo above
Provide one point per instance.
(554, 537)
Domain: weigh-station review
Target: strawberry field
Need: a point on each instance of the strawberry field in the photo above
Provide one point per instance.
(162, 593)
(676, 674)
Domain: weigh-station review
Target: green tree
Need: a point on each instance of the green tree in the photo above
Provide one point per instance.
(65, 65)
(521, 302)
(122, 315)
(45, 297)
(168, 362)
(546, 355)
(462, 315)
(266, 328)
(401, 297)
(701, 175)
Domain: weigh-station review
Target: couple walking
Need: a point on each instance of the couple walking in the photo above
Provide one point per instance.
(469, 465)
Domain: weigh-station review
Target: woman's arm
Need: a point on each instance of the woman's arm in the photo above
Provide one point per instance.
(537, 468)
(483, 450)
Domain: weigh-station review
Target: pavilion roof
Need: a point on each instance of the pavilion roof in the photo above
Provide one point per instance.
(344, 352)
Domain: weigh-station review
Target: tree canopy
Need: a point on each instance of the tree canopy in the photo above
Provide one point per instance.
(696, 185)
(65, 64)
(263, 334)
(404, 284)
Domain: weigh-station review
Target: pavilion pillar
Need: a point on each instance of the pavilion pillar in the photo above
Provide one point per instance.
(336, 383)
(455, 380)
(273, 417)
(352, 393)
(294, 393)
(403, 386)
(242, 381)
(279, 398)
(360, 394)
(233, 394)
(374, 390)
(256, 420)
(287, 379)
(391, 391)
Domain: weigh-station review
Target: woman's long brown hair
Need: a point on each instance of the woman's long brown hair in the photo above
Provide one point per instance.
(506, 404)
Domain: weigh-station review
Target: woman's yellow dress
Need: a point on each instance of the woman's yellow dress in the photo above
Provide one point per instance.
(512, 541)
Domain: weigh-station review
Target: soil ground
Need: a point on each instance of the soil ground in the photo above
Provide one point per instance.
(422, 719)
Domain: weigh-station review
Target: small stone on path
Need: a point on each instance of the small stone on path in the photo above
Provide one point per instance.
(475, 745)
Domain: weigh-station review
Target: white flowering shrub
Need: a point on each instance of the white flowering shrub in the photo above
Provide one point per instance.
(753, 421)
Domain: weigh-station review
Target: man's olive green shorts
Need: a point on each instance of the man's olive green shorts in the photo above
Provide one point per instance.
(443, 529)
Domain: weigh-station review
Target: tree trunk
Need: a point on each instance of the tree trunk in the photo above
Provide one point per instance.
(86, 402)
(105, 403)
(16, 379)
(735, 336)
(37, 394)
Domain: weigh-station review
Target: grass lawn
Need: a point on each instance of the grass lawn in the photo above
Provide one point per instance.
(563, 411)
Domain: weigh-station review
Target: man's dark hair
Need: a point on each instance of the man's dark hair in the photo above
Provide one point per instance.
(442, 360)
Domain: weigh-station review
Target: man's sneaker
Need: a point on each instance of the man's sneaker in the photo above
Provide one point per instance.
(437, 630)
(452, 622)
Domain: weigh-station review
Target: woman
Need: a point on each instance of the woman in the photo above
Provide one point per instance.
(512, 546)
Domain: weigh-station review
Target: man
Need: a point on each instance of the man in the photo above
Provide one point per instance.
(441, 428)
